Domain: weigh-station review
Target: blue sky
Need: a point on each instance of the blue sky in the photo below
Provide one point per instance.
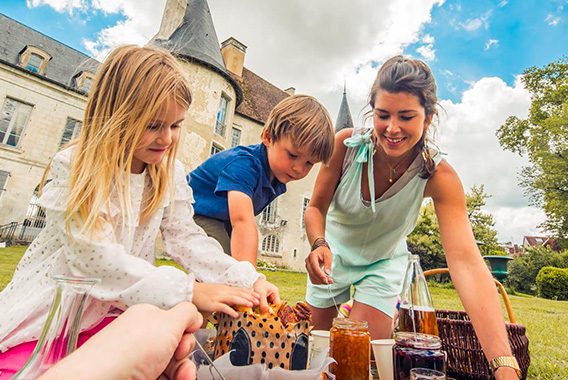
(477, 50)
(523, 34)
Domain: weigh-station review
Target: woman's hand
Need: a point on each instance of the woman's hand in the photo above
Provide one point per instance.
(268, 292)
(318, 265)
(219, 298)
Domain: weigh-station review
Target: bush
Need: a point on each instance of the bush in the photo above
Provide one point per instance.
(524, 269)
(552, 283)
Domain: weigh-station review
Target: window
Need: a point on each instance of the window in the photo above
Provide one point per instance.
(72, 129)
(34, 63)
(221, 115)
(215, 149)
(3, 181)
(235, 137)
(269, 212)
(34, 59)
(271, 244)
(13, 120)
(84, 81)
(304, 207)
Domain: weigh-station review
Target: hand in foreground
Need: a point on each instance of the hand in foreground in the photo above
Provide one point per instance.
(219, 298)
(145, 343)
(318, 265)
(268, 292)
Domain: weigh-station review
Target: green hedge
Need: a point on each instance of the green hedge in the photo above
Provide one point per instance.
(552, 283)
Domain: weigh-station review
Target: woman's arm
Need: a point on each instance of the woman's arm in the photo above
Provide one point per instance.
(314, 217)
(469, 273)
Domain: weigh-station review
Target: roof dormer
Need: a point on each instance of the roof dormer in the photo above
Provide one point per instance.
(34, 59)
(83, 81)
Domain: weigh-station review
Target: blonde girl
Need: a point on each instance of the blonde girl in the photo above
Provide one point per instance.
(111, 193)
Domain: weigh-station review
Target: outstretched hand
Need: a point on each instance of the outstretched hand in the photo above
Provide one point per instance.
(145, 343)
(220, 298)
(268, 293)
(318, 265)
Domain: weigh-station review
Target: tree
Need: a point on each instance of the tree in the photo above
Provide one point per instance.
(425, 239)
(543, 138)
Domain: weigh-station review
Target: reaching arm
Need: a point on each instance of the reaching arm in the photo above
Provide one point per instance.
(324, 189)
(469, 273)
(244, 238)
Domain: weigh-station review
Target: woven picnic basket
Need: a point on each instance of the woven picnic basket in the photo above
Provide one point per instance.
(465, 356)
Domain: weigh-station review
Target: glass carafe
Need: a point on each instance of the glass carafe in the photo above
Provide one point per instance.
(416, 313)
(61, 329)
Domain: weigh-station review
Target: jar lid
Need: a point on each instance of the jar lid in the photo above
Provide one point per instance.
(418, 340)
(346, 323)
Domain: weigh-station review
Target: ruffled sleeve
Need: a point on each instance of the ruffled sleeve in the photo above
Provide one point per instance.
(125, 279)
(190, 246)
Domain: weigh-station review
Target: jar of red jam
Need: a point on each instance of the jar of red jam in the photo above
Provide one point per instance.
(349, 345)
(417, 351)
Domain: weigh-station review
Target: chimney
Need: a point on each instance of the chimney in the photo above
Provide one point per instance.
(171, 19)
(290, 91)
(233, 53)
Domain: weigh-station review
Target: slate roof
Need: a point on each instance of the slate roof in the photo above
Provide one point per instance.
(195, 39)
(259, 96)
(66, 62)
(344, 119)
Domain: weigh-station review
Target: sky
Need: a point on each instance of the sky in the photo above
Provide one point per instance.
(477, 50)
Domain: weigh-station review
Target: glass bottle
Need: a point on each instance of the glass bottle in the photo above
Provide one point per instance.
(416, 313)
(349, 345)
(417, 351)
(61, 329)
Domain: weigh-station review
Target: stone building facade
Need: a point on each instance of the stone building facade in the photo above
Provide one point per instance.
(43, 93)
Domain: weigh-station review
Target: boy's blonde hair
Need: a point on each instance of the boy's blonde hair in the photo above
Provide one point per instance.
(130, 89)
(305, 121)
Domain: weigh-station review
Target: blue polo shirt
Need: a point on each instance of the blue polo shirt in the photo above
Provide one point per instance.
(242, 168)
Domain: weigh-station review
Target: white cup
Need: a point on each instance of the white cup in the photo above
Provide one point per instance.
(382, 349)
(319, 343)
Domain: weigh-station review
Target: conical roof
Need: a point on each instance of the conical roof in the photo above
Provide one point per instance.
(195, 39)
(344, 119)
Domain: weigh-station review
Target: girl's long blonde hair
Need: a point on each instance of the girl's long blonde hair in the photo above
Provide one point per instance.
(129, 90)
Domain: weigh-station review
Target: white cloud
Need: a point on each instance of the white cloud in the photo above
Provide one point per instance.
(427, 52)
(467, 134)
(503, 3)
(474, 24)
(490, 43)
(67, 6)
(552, 19)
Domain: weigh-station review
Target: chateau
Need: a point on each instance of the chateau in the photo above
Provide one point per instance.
(44, 86)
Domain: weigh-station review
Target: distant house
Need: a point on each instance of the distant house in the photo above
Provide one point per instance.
(536, 241)
(512, 249)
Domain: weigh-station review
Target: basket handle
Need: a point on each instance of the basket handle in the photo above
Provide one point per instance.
(502, 290)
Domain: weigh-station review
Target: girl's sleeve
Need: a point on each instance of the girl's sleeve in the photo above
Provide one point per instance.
(125, 279)
(190, 246)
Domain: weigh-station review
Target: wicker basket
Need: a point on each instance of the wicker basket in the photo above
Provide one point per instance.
(465, 356)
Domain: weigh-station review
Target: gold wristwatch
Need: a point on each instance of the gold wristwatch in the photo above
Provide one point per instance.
(505, 361)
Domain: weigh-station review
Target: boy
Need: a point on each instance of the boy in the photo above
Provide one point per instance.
(235, 185)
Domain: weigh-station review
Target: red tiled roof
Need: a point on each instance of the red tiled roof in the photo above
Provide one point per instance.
(259, 96)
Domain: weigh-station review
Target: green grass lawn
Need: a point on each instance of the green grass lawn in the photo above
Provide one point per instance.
(546, 321)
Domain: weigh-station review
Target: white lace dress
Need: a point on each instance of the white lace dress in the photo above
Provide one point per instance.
(123, 258)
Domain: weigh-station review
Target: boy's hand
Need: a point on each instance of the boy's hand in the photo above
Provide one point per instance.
(268, 292)
(219, 298)
(318, 265)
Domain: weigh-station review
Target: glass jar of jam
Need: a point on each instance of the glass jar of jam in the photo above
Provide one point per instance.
(350, 347)
(417, 351)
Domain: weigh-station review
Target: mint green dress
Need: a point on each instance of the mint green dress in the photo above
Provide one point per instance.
(368, 239)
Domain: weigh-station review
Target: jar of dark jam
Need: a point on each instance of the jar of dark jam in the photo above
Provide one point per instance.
(417, 351)
(349, 345)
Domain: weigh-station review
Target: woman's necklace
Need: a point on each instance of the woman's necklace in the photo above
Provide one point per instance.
(393, 170)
